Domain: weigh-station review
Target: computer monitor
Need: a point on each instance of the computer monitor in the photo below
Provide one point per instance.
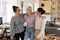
(1, 21)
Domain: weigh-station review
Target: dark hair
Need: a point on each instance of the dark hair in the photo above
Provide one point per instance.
(15, 8)
(41, 10)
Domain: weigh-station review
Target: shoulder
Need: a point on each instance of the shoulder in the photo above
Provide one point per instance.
(33, 15)
(43, 17)
(25, 15)
(13, 17)
(21, 16)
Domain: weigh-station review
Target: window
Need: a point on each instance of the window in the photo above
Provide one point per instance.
(24, 5)
(0, 8)
(7, 12)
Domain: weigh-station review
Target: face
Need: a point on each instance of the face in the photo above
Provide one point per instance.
(38, 13)
(17, 11)
(29, 10)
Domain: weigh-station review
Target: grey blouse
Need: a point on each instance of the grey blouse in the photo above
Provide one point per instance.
(16, 25)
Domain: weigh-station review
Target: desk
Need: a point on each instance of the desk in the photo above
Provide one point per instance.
(53, 33)
(4, 33)
(48, 37)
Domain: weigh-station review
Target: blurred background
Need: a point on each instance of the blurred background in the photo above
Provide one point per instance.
(52, 8)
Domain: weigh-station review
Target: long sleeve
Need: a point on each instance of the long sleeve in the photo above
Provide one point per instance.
(12, 27)
(25, 23)
(42, 29)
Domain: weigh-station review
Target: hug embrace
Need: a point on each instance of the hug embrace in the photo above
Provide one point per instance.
(35, 24)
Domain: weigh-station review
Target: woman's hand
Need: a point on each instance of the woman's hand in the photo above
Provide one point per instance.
(12, 37)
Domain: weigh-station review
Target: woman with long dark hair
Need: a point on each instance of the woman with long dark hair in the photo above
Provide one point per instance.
(40, 24)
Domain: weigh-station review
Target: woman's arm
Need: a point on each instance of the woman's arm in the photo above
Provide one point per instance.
(42, 29)
(12, 27)
(25, 23)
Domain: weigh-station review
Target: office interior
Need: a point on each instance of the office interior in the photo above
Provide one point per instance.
(52, 8)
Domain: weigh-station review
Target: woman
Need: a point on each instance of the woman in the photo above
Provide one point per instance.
(29, 19)
(17, 29)
(40, 24)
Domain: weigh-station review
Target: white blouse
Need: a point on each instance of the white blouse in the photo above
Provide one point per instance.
(40, 24)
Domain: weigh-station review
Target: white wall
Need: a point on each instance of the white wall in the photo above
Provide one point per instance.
(36, 5)
(7, 10)
(0, 8)
(14, 2)
(48, 17)
(29, 3)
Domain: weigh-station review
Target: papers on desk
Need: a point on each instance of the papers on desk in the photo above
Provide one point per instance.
(51, 34)
(1, 25)
(4, 26)
(58, 28)
(54, 28)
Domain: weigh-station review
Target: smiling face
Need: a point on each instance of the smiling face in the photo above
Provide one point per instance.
(29, 10)
(38, 13)
(17, 11)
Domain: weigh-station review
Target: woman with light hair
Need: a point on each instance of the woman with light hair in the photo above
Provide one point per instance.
(29, 19)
